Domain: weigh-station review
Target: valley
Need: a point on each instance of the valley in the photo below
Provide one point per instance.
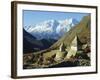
(70, 50)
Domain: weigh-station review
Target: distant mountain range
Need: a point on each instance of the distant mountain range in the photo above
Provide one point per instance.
(51, 29)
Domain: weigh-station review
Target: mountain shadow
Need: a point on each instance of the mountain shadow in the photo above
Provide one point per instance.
(31, 44)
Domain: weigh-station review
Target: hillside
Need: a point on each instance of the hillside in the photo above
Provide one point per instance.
(82, 30)
(31, 44)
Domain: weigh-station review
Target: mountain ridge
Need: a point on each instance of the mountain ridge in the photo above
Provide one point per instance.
(53, 29)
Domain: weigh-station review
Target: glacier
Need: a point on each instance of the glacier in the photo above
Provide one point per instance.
(51, 29)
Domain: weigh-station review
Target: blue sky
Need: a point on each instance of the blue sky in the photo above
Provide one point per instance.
(34, 17)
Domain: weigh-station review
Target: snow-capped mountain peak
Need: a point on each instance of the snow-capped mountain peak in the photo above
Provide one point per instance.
(51, 29)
